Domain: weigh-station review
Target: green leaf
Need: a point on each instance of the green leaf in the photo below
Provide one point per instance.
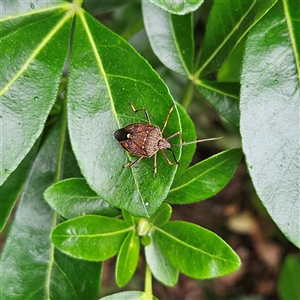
(180, 7)
(110, 76)
(189, 135)
(11, 189)
(129, 219)
(73, 197)
(28, 55)
(30, 267)
(270, 100)
(224, 97)
(170, 37)
(228, 29)
(64, 277)
(206, 178)
(127, 258)
(132, 295)
(292, 12)
(160, 267)
(195, 251)
(9, 9)
(162, 215)
(288, 286)
(92, 237)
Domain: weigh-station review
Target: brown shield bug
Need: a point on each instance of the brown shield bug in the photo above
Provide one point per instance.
(145, 140)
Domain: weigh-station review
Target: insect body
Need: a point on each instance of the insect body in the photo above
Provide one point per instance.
(145, 140)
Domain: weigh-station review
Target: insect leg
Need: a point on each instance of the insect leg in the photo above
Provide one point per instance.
(167, 118)
(175, 134)
(167, 158)
(141, 109)
(132, 164)
(154, 165)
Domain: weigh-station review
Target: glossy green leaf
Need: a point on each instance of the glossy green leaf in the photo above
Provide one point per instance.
(171, 37)
(162, 215)
(224, 97)
(92, 237)
(28, 55)
(206, 178)
(225, 30)
(288, 286)
(195, 251)
(270, 100)
(128, 218)
(110, 76)
(73, 197)
(127, 258)
(11, 189)
(30, 266)
(160, 267)
(292, 12)
(189, 135)
(132, 295)
(180, 7)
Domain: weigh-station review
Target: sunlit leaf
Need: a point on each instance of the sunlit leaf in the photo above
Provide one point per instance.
(160, 267)
(73, 197)
(195, 251)
(110, 76)
(128, 258)
(206, 178)
(91, 237)
(29, 57)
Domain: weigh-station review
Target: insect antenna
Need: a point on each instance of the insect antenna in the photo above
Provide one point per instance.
(195, 142)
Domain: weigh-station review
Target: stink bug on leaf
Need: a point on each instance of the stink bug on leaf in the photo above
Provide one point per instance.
(145, 140)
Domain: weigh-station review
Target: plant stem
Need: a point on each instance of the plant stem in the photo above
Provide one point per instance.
(188, 95)
(148, 283)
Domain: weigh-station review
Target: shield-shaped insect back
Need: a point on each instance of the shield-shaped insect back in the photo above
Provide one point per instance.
(145, 140)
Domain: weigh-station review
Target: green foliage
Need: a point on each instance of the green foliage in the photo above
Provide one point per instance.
(289, 279)
(104, 74)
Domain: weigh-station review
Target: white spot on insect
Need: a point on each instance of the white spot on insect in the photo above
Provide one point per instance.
(128, 135)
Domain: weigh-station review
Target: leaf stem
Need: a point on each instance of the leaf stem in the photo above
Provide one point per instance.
(188, 95)
(148, 284)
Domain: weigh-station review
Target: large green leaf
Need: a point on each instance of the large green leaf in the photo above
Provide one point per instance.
(171, 37)
(270, 100)
(11, 189)
(206, 178)
(28, 55)
(30, 266)
(225, 30)
(91, 237)
(73, 197)
(179, 7)
(195, 251)
(106, 75)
